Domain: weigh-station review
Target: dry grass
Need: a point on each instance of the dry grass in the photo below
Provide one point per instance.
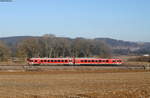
(129, 62)
(9, 63)
(64, 84)
(133, 63)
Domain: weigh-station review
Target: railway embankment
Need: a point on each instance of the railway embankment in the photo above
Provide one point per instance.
(13, 68)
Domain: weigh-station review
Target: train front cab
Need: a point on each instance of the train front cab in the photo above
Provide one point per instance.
(116, 61)
(33, 61)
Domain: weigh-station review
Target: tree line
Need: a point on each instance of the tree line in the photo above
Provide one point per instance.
(51, 46)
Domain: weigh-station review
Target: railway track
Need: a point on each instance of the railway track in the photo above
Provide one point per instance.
(27, 67)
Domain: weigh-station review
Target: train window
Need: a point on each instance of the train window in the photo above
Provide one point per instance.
(35, 61)
(81, 60)
(70, 60)
(107, 61)
(62, 60)
(48, 60)
(41, 60)
(31, 60)
(100, 60)
(92, 60)
(118, 60)
(103, 60)
(52, 61)
(65, 60)
(89, 61)
(55, 60)
(114, 61)
(58, 60)
(45, 60)
(85, 60)
(96, 61)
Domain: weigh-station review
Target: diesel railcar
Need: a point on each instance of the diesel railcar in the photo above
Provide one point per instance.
(73, 61)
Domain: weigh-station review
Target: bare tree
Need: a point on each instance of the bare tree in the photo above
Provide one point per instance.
(4, 51)
(50, 46)
(29, 48)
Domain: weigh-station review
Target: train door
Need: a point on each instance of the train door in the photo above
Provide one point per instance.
(39, 61)
(70, 61)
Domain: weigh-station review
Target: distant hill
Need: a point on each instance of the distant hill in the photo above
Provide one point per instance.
(13, 40)
(118, 46)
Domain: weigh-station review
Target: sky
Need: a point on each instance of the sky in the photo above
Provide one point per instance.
(119, 19)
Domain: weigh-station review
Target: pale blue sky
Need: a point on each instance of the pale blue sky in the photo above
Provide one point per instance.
(119, 19)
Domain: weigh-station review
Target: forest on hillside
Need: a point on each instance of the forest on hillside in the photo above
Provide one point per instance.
(51, 46)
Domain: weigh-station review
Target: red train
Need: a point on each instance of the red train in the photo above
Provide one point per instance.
(73, 61)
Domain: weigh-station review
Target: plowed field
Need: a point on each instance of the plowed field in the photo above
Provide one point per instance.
(65, 84)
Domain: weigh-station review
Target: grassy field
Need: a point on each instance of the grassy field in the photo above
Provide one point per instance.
(74, 84)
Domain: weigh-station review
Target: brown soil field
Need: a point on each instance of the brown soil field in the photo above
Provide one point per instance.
(75, 84)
